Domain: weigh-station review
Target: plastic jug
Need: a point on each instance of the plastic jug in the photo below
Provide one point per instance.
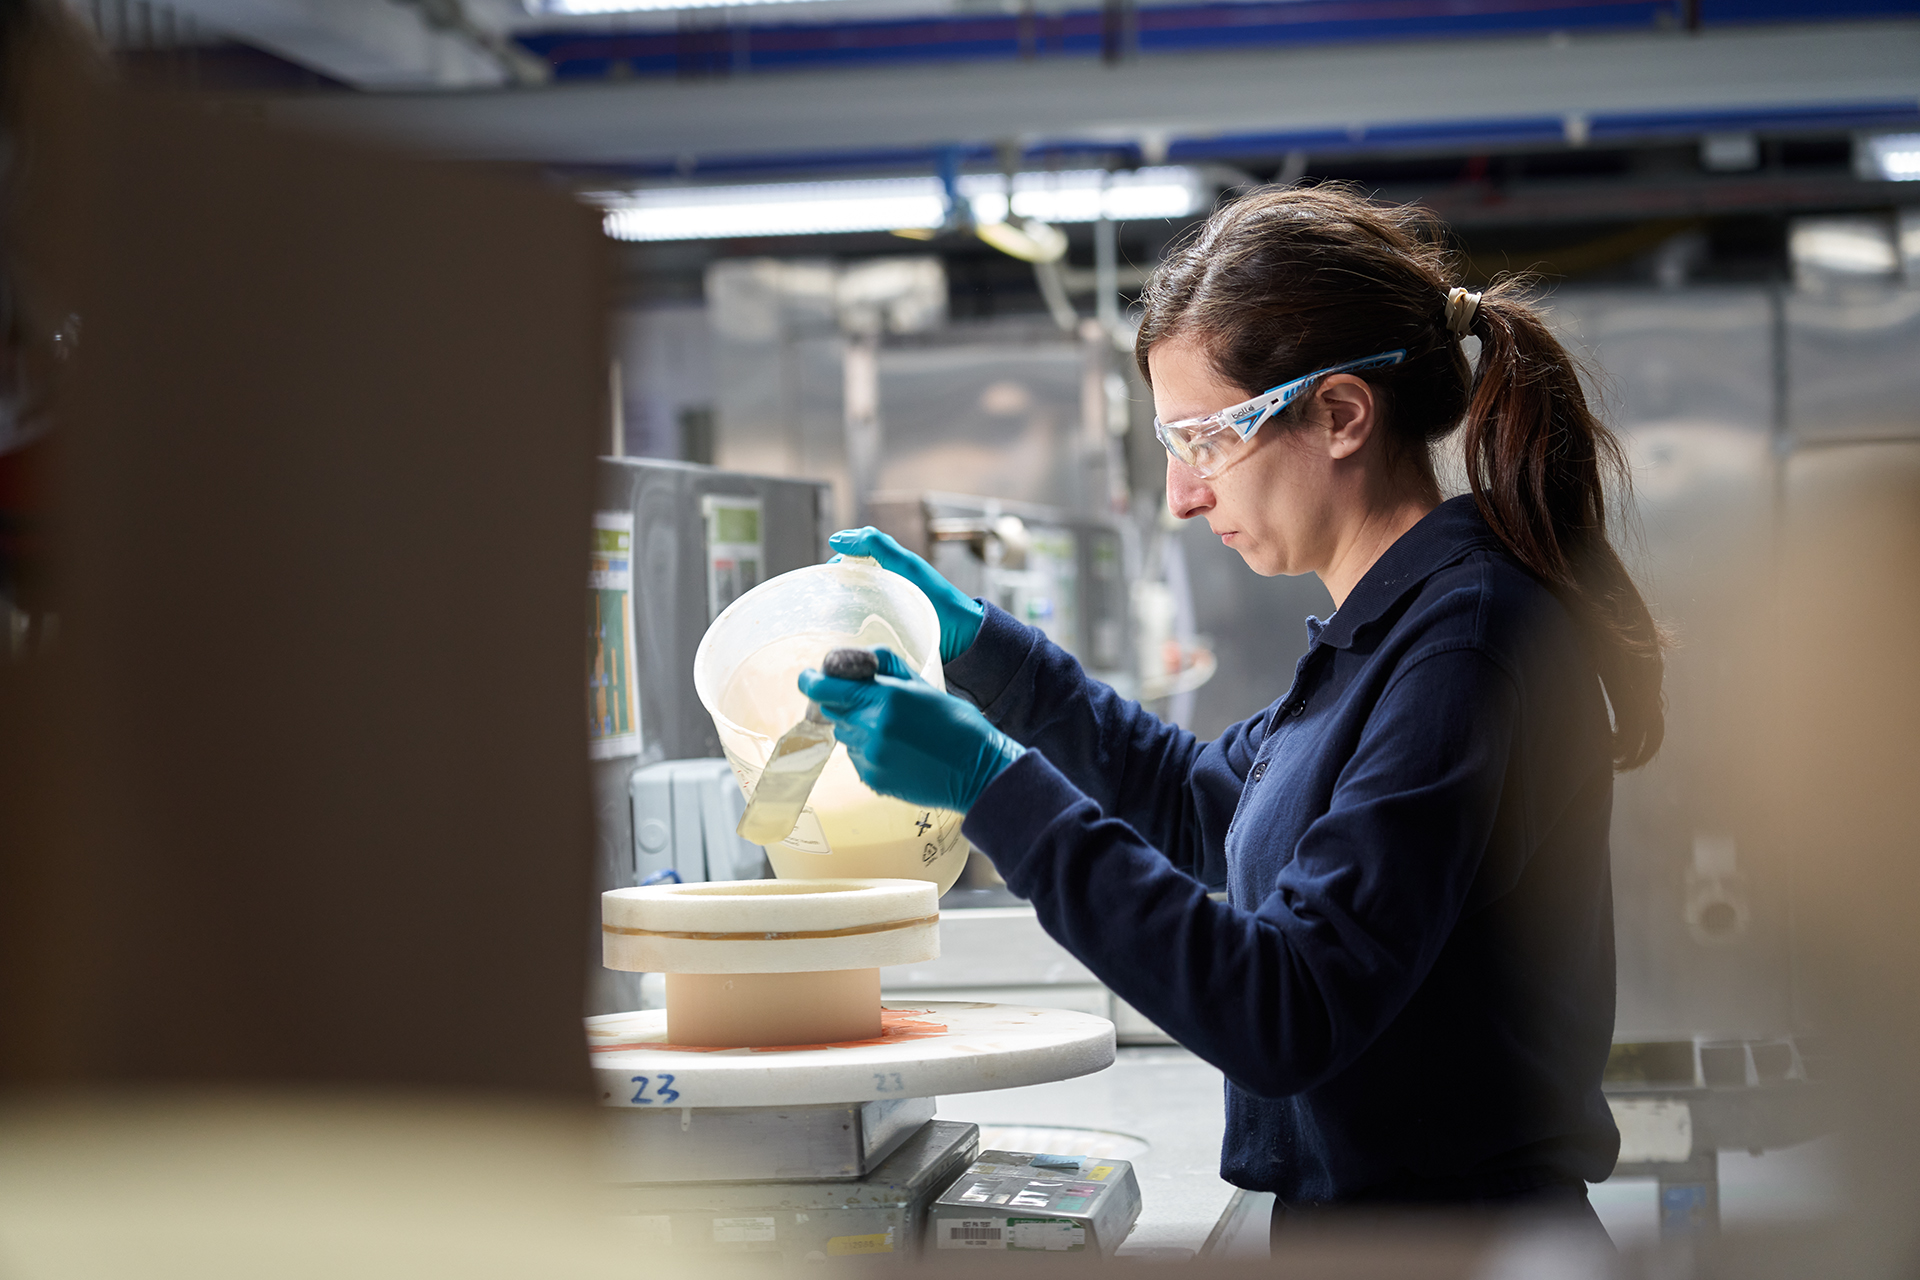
(745, 671)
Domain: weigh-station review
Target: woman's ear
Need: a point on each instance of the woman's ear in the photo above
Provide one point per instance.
(1350, 411)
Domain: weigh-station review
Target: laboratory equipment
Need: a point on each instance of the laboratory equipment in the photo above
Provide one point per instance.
(684, 817)
(1052, 568)
(777, 1106)
(1036, 1202)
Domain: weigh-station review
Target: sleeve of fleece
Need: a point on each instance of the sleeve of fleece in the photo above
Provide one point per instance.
(1173, 789)
(1283, 994)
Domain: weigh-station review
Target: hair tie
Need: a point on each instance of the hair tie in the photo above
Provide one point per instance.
(1461, 306)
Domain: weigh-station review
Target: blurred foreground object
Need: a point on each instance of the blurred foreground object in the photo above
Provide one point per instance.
(300, 792)
(213, 1185)
(1847, 761)
(294, 830)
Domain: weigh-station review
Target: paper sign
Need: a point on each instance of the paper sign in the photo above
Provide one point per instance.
(613, 697)
(736, 551)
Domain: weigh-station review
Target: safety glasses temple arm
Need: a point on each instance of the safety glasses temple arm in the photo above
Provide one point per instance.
(1256, 411)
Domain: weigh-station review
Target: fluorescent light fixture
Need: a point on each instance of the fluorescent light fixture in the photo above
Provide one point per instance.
(1891, 157)
(1081, 195)
(775, 209)
(894, 204)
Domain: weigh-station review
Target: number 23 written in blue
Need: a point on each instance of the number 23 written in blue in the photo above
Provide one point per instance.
(663, 1092)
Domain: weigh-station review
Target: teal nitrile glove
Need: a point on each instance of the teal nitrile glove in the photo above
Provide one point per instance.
(960, 615)
(909, 740)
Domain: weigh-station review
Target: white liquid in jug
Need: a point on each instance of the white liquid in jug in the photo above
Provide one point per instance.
(763, 696)
(864, 834)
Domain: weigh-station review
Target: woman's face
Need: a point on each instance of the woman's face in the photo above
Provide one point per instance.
(1275, 505)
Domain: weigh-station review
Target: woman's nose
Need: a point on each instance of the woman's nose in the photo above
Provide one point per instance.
(1187, 494)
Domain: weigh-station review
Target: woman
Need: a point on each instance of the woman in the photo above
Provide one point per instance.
(1410, 984)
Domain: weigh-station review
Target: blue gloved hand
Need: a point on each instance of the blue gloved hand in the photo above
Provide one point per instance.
(960, 615)
(909, 740)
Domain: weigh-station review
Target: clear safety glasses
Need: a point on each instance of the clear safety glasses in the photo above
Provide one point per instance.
(1211, 444)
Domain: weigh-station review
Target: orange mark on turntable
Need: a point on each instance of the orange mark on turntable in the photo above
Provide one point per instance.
(896, 1027)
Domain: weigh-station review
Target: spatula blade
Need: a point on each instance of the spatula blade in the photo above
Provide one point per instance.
(782, 791)
(781, 794)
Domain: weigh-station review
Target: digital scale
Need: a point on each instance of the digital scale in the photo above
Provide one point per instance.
(832, 1151)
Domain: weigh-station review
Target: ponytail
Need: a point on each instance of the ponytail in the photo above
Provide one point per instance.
(1538, 462)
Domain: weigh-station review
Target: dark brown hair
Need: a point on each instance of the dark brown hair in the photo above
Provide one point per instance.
(1288, 280)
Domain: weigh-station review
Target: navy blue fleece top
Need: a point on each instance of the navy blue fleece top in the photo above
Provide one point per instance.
(1409, 985)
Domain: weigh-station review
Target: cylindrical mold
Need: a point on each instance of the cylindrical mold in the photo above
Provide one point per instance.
(756, 1010)
(757, 963)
